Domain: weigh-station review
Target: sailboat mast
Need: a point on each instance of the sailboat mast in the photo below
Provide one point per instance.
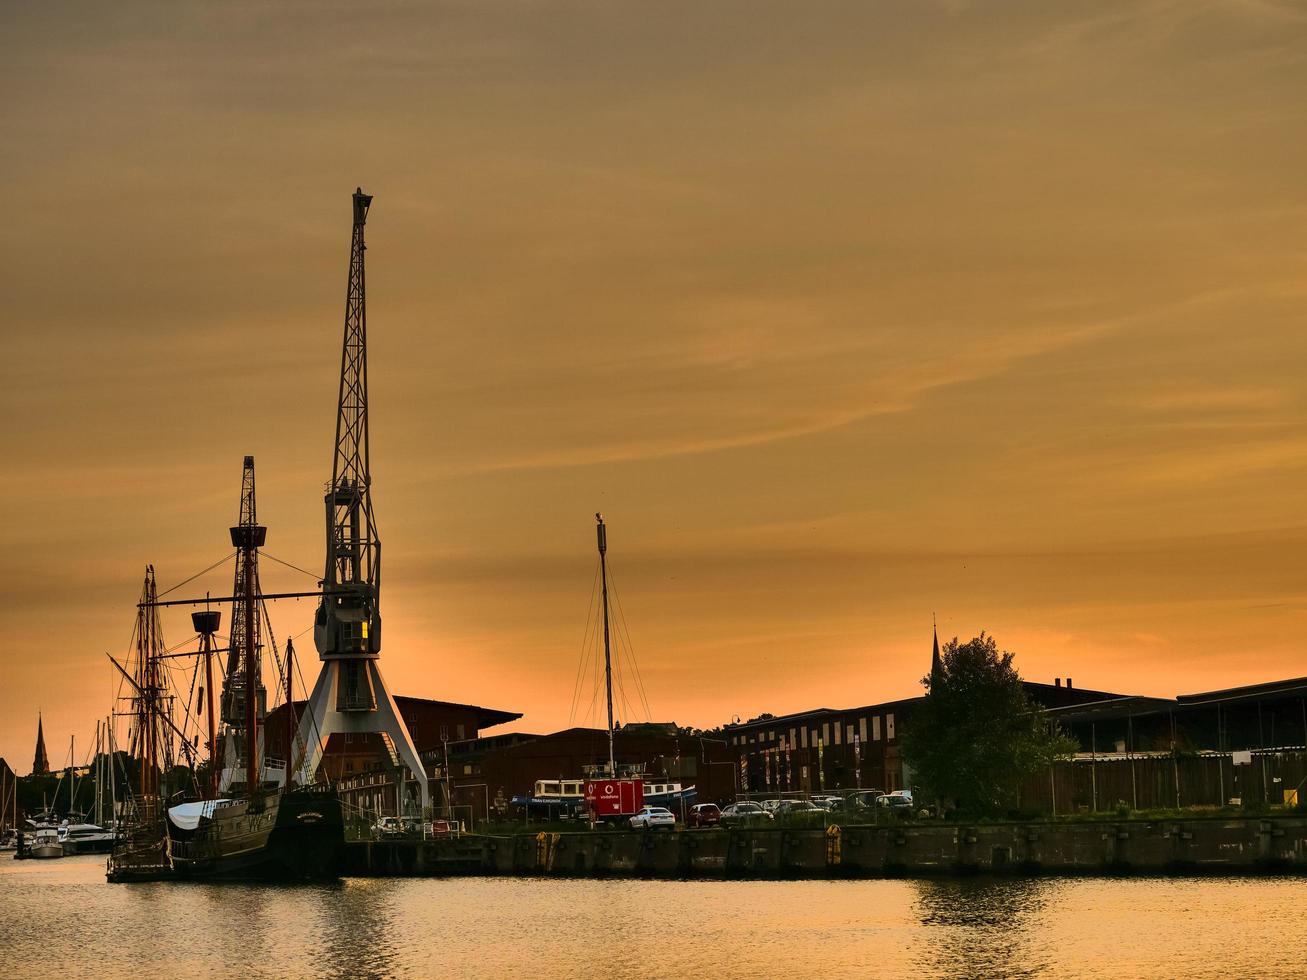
(113, 786)
(608, 658)
(290, 706)
(99, 815)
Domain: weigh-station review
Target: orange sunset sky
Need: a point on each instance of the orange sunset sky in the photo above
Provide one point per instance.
(842, 313)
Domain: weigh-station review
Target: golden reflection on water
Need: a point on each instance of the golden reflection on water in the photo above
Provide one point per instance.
(59, 918)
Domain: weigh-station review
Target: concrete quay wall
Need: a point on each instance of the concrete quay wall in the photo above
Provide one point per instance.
(1219, 846)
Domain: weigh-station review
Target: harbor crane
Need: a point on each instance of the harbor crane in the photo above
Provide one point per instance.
(350, 696)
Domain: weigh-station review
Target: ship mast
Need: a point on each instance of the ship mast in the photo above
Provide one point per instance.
(243, 693)
(290, 708)
(248, 537)
(147, 734)
(602, 534)
(206, 623)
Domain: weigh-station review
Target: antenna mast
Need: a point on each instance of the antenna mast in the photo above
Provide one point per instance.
(602, 534)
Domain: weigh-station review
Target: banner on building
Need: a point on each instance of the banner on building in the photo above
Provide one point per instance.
(857, 761)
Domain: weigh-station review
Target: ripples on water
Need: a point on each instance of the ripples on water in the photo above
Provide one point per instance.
(60, 919)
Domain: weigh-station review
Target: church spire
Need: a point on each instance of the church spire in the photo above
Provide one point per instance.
(936, 665)
(41, 764)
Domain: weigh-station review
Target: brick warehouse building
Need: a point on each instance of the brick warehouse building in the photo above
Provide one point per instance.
(848, 748)
(430, 723)
(821, 749)
(486, 773)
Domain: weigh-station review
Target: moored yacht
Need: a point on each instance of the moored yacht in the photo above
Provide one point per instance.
(86, 838)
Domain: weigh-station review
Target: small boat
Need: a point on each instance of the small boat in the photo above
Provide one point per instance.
(46, 844)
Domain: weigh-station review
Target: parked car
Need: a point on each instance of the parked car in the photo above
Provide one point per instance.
(704, 815)
(744, 813)
(865, 799)
(389, 827)
(895, 803)
(789, 808)
(651, 817)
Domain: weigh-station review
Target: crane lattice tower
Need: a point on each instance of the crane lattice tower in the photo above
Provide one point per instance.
(350, 695)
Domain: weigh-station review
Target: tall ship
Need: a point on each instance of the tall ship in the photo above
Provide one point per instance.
(253, 823)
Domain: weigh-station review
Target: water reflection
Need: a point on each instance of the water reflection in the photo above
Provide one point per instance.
(356, 924)
(59, 918)
(982, 927)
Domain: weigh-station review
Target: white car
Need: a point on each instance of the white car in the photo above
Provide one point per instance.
(654, 816)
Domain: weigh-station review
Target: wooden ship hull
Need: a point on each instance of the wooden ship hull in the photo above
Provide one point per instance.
(290, 835)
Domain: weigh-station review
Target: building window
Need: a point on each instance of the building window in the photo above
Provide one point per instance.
(793, 738)
(838, 734)
(825, 733)
(459, 729)
(805, 737)
(889, 726)
(848, 735)
(862, 727)
(875, 728)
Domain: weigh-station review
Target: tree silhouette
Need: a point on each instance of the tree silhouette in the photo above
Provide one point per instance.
(976, 734)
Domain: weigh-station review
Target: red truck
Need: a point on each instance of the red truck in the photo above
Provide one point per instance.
(607, 799)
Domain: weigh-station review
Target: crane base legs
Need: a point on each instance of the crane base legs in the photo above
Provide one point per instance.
(351, 698)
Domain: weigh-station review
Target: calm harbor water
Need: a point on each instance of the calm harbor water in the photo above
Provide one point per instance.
(60, 918)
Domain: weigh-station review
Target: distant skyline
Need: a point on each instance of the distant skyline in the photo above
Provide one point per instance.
(843, 314)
